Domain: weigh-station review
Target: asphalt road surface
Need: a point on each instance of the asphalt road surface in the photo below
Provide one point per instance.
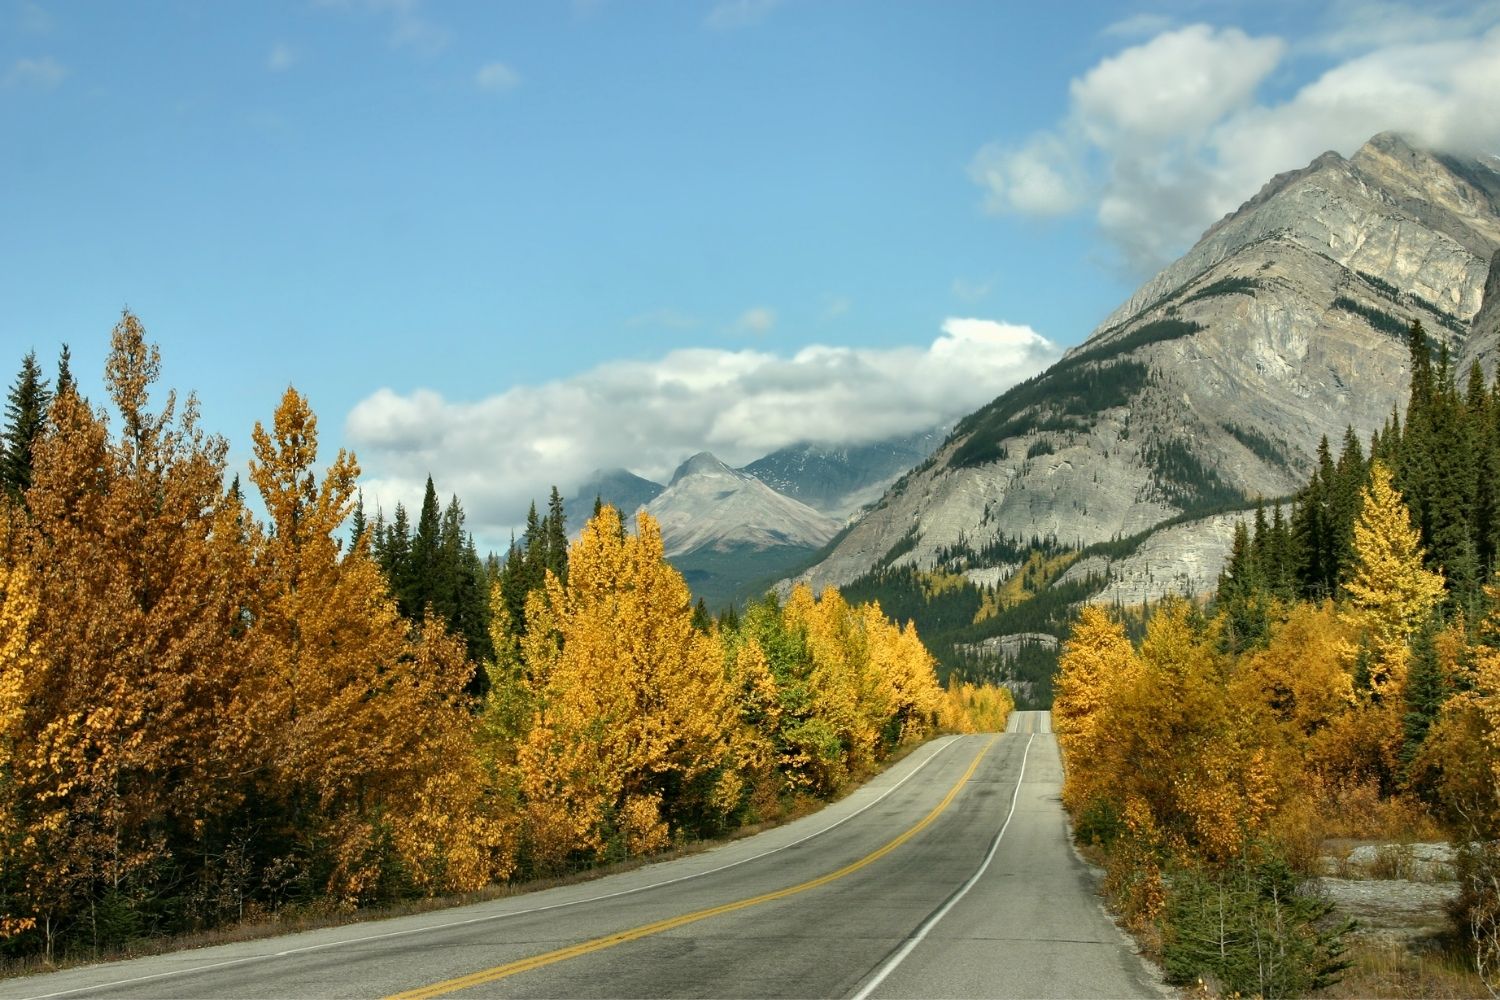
(950, 875)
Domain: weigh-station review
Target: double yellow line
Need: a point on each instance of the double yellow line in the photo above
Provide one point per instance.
(499, 972)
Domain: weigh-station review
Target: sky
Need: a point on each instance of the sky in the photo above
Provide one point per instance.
(507, 244)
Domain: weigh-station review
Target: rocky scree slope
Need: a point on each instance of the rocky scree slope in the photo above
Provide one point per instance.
(1214, 382)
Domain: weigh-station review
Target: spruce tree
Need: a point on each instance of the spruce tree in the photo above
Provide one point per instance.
(25, 419)
(357, 524)
(557, 537)
(1425, 690)
(65, 383)
(421, 583)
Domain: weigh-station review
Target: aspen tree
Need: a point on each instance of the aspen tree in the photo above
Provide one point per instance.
(633, 711)
(361, 731)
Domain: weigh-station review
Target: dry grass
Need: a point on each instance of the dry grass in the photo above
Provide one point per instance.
(1437, 969)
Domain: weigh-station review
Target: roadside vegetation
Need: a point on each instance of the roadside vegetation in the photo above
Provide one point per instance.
(1344, 686)
(207, 720)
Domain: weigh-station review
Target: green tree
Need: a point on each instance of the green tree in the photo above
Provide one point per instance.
(25, 419)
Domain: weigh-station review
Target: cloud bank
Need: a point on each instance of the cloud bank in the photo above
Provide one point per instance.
(1168, 135)
(500, 453)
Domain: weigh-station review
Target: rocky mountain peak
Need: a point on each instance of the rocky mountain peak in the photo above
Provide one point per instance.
(702, 464)
(1213, 383)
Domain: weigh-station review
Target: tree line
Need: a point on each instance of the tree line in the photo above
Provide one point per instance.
(206, 717)
(1344, 682)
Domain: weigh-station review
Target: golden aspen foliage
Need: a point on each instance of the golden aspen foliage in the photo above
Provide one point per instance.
(758, 700)
(1302, 675)
(841, 692)
(1097, 665)
(126, 745)
(1173, 740)
(976, 708)
(1390, 591)
(360, 730)
(630, 702)
(18, 675)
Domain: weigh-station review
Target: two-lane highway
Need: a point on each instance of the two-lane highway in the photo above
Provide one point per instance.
(907, 887)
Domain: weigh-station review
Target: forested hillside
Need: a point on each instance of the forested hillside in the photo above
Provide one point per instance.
(207, 719)
(1345, 682)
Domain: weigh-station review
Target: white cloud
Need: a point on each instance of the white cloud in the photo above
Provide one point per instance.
(281, 58)
(1040, 178)
(1164, 137)
(1175, 85)
(729, 14)
(500, 453)
(497, 78)
(760, 319)
(41, 73)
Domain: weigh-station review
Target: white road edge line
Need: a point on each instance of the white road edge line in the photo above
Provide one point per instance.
(497, 916)
(932, 921)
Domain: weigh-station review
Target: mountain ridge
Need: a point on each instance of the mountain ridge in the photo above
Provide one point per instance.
(1212, 384)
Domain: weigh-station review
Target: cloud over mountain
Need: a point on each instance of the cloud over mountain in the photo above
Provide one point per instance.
(1168, 135)
(501, 452)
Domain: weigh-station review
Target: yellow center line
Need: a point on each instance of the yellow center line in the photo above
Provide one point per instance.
(499, 972)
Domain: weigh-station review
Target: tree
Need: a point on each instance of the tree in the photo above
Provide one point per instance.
(1097, 665)
(128, 742)
(362, 731)
(1390, 591)
(630, 733)
(25, 417)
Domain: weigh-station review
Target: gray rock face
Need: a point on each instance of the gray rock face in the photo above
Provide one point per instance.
(708, 505)
(1484, 333)
(1215, 381)
(620, 488)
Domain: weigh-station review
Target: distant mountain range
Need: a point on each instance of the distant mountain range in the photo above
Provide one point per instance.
(734, 532)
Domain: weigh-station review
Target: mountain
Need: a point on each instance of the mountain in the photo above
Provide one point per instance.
(840, 480)
(708, 505)
(1211, 385)
(730, 535)
(620, 488)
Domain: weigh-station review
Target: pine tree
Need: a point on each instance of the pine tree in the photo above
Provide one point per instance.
(1426, 690)
(556, 537)
(25, 419)
(357, 525)
(65, 382)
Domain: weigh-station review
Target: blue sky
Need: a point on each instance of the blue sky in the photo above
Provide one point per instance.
(508, 243)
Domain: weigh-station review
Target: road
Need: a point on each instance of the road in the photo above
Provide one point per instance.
(906, 888)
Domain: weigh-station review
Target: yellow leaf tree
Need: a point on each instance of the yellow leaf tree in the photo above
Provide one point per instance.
(1097, 665)
(633, 712)
(361, 730)
(125, 750)
(1390, 591)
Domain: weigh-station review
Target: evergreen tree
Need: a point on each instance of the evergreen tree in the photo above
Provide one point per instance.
(556, 533)
(1242, 592)
(1425, 692)
(25, 418)
(65, 383)
(357, 525)
(420, 584)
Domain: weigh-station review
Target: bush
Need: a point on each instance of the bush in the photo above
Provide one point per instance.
(1251, 929)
